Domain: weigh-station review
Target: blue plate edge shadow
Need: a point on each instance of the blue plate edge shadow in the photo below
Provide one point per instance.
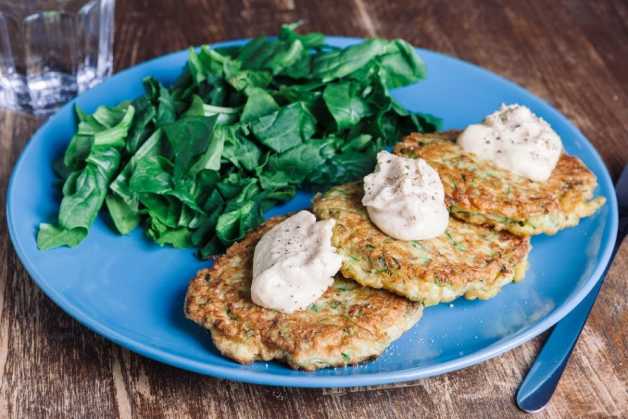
(254, 377)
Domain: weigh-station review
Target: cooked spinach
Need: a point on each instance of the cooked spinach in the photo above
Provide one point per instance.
(346, 104)
(125, 218)
(199, 162)
(93, 168)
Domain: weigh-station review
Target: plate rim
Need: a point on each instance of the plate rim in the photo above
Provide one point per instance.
(236, 373)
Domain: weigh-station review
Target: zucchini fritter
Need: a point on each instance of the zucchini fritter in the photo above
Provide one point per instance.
(467, 260)
(479, 192)
(348, 324)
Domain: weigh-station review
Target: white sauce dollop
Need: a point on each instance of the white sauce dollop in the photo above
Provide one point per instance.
(405, 198)
(294, 263)
(515, 139)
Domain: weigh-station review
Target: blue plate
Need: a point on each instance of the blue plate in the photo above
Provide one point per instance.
(131, 291)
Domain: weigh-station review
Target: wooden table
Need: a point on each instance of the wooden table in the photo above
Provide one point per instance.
(574, 54)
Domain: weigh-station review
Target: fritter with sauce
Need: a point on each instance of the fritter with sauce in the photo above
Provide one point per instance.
(348, 324)
(479, 192)
(467, 259)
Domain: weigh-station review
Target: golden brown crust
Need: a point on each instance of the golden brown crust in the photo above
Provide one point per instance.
(467, 259)
(479, 192)
(347, 325)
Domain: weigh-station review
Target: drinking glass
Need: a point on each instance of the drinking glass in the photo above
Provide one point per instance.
(51, 50)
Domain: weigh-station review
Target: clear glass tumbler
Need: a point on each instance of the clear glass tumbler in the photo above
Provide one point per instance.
(50, 50)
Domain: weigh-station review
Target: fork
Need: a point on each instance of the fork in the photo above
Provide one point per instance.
(537, 388)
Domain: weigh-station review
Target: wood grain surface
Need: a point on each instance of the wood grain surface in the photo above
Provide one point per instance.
(574, 54)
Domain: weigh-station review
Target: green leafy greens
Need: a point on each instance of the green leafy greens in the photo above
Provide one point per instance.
(198, 163)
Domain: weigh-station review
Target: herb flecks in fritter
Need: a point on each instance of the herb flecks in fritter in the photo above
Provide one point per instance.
(479, 192)
(467, 259)
(348, 324)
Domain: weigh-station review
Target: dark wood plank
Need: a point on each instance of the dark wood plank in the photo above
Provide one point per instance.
(49, 363)
(573, 54)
